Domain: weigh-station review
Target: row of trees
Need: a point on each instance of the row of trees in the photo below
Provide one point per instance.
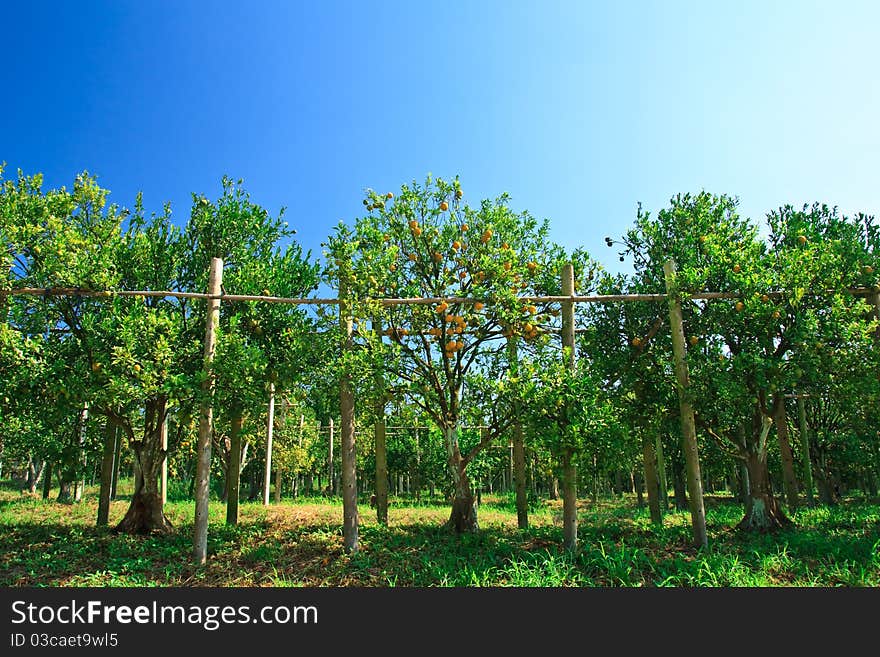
(792, 336)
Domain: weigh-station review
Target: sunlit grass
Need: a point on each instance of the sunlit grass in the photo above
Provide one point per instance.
(45, 543)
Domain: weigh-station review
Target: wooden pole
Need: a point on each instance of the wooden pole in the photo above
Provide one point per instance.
(379, 442)
(518, 452)
(80, 484)
(270, 429)
(805, 450)
(206, 416)
(688, 428)
(569, 467)
(233, 472)
(331, 474)
(349, 446)
(163, 482)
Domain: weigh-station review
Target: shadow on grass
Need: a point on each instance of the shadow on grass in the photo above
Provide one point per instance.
(829, 547)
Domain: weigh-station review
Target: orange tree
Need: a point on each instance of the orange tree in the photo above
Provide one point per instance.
(744, 352)
(427, 242)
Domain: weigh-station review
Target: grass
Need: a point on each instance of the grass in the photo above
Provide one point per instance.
(44, 543)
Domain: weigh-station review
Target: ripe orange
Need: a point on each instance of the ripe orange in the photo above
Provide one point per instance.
(464, 227)
(802, 239)
(456, 245)
(478, 306)
(736, 269)
(458, 193)
(444, 206)
(416, 231)
(694, 339)
(437, 257)
(412, 257)
(636, 342)
(765, 298)
(507, 266)
(413, 223)
(776, 314)
(389, 195)
(739, 306)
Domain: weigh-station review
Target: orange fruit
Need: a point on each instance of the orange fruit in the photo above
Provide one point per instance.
(694, 339)
(802, 239)
(417, 231)
(739, 306)
(437, 257)
(413, 223)
(736, 269)
(412, 257)
(464, 227)
(444, 206)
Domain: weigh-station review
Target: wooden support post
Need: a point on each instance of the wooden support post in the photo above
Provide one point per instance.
(80, 484)
(569, 467)
(688, 428)
(518, 452)
(233, 472)
(270, 430)
(379, 442)
(206, 416)
(348, 445)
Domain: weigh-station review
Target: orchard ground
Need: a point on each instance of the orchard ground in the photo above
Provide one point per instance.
(299, 543)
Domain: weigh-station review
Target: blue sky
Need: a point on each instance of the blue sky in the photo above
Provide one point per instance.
(578, 109)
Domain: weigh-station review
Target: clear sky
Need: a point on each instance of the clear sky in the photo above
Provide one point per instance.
(578, 109)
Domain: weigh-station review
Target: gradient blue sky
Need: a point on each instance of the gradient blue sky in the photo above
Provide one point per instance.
(579, 109)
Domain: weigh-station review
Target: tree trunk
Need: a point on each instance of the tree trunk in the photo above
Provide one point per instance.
(381, 483)
(233, 471)
(662, 481)
(788, 475)
(463, 516)
(762, 511)
(106, 473)
(145, 513)
(569, 501)
(678, 487)
(638, 487)
(47, 481)
(651, 479)
(117, 455)
(806, 464)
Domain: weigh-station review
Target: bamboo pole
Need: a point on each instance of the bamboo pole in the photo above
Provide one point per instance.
(206, 416)
(688, 428)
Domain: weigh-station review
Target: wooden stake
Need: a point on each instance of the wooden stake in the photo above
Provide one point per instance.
(270, 429)
(349, 447)
(688, 428)
(206, 416)
(569, 467)
(379, 443)
(106, 473)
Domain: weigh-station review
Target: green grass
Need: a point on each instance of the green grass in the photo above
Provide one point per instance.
(44, 543)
